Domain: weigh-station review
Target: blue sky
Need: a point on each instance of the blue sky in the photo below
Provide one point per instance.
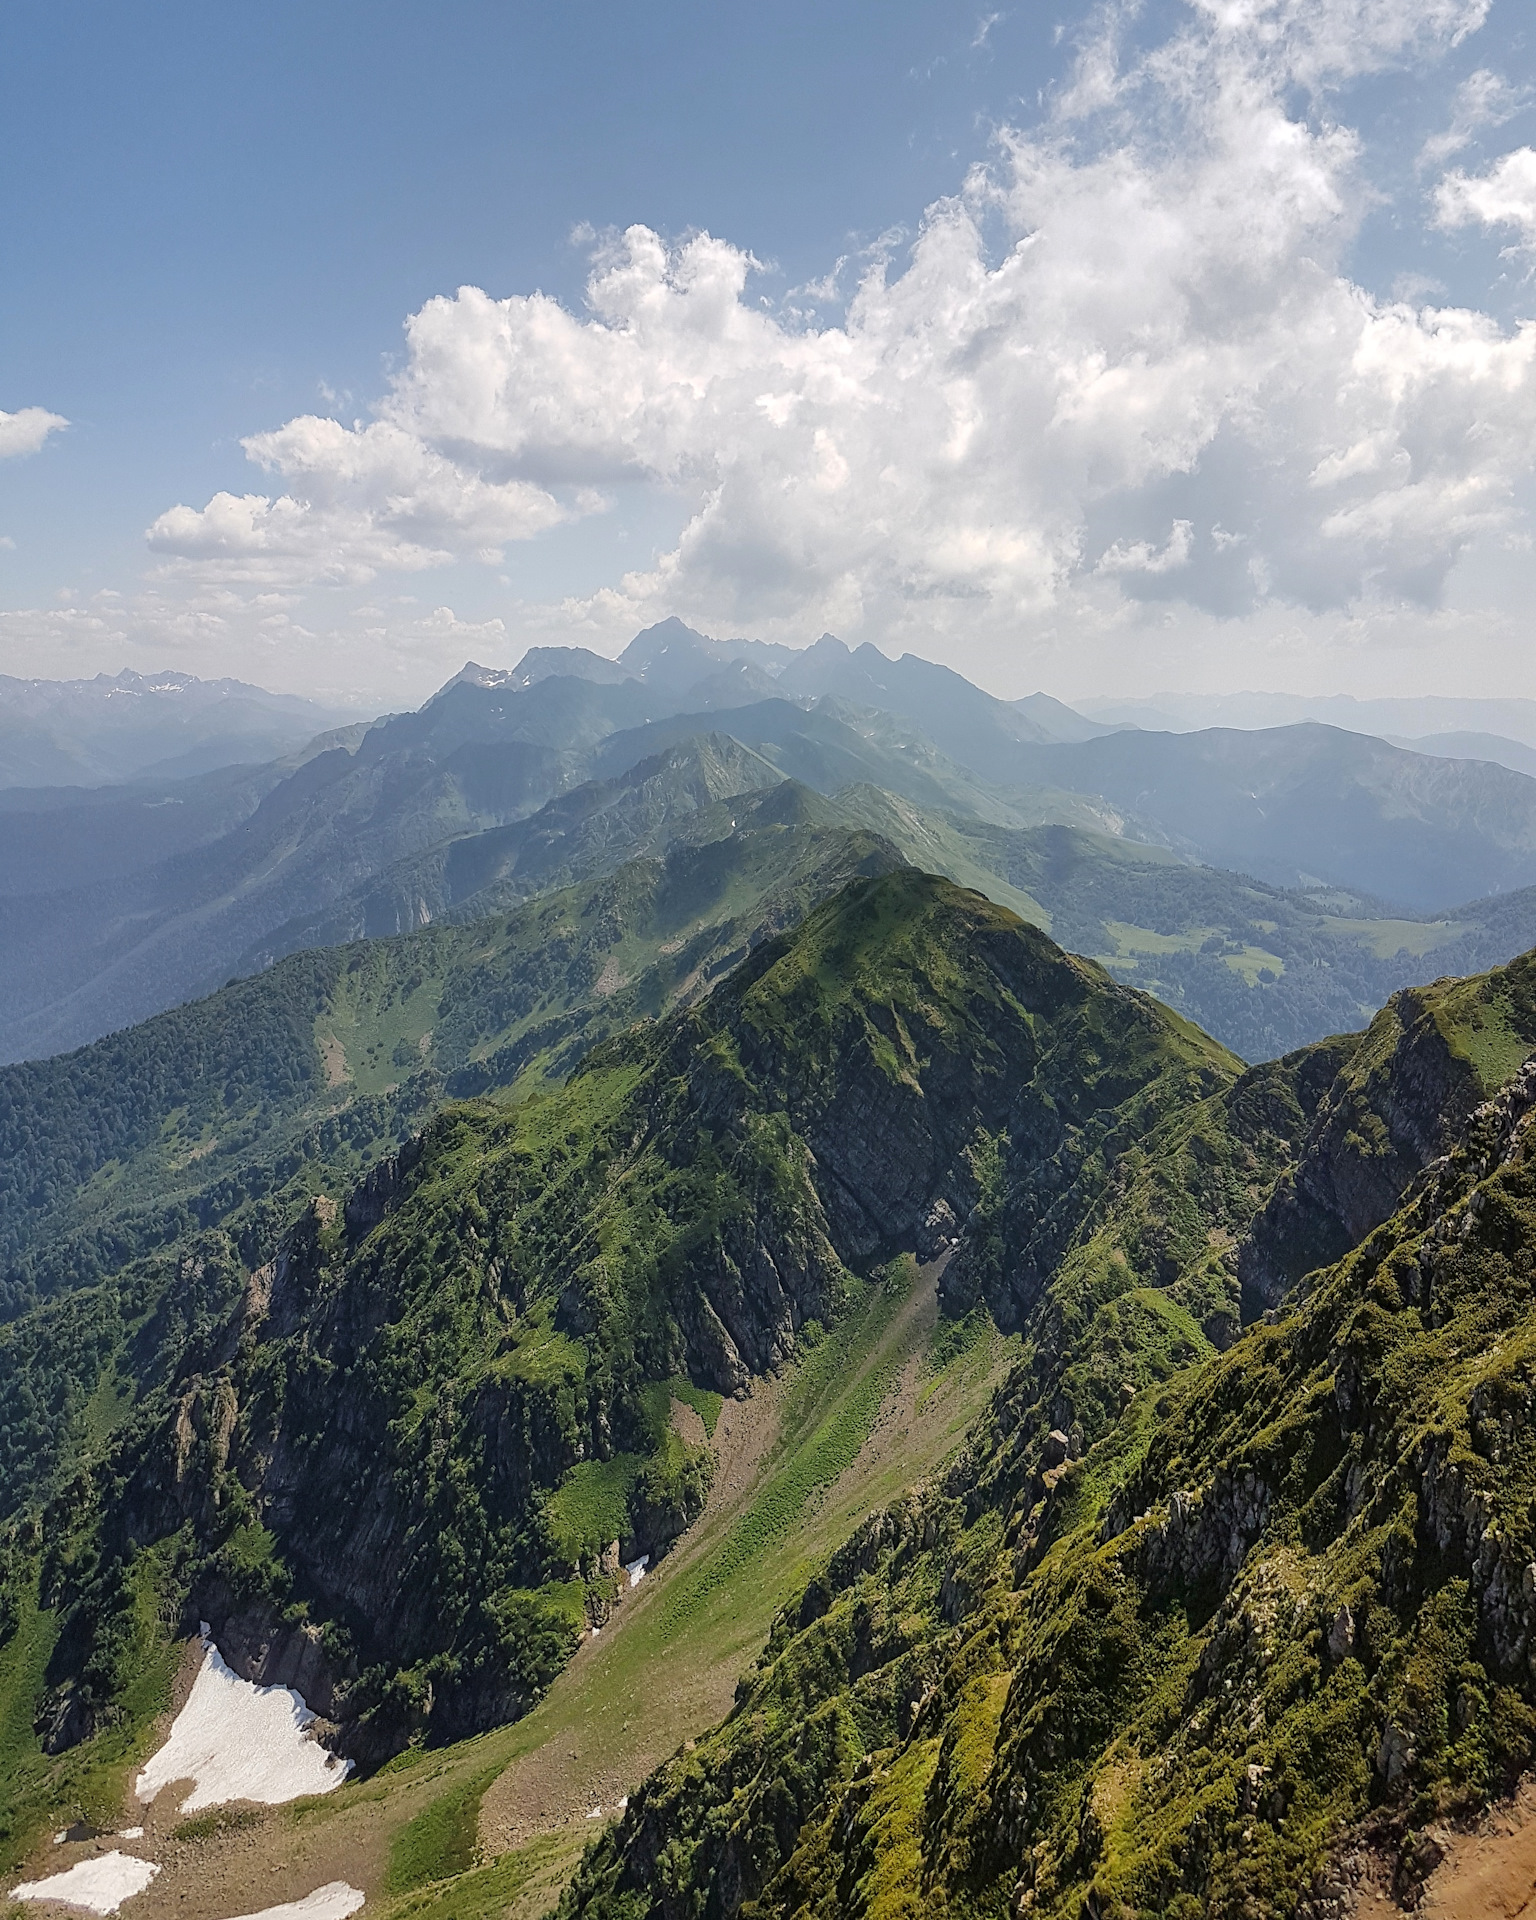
(1102, 421)
(214, 213)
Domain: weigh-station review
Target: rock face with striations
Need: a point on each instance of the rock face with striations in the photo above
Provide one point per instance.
(1400, 1092)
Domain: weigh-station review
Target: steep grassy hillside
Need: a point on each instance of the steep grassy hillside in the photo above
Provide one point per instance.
(684, 793)
(1180, 1633)
(1264, 969)
(393, 1434)
(94, 947)
(481, 1351)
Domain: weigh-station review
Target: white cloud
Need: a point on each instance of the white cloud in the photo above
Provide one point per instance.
(1142, 557)
(370, 498)
(25, 431)
(1126, 358)
(1484, 99)
(1504, 196)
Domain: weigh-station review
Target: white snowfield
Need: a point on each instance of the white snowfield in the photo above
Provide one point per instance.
(237, 1741)
(100, 1885)
(334, 1901)
(636, 1570)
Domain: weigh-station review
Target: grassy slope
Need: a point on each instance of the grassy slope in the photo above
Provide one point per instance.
(661, 1671)
(1142, 1318)
(671, 1660)
(1263, 969)
(1271, 1593)
(234, 1110)
(902, 986)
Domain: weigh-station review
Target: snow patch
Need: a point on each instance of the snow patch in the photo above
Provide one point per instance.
(100, 1885)
(237, 1741)
(636, 1569)
(131, 1833)
(334, 1901)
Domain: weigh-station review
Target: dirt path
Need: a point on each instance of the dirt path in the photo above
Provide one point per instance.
(604, 1724)
(633, 1695)
(1488, 1873)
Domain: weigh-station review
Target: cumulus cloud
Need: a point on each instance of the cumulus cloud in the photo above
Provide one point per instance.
(1125, 357)
(25, 431)
(1504, 196)
(367, 498)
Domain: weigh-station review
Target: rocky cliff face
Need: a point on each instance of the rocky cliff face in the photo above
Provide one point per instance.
(1399, 1095)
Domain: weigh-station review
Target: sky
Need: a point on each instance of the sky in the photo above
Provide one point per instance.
(1101, 350)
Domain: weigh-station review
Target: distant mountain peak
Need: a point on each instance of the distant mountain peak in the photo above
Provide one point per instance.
(128, 725)
(547, 663)
(669, 641)
(472, 674)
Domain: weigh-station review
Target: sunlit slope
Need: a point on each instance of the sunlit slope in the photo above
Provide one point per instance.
(421, 1426)
(1263, 968)
(884, 1395)
(1184, 1632)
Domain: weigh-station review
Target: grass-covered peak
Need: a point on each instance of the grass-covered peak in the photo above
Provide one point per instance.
(475, 1345)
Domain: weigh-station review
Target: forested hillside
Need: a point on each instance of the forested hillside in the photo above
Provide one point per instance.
(1010, 1688)
(229, 1112)
(472, 1345)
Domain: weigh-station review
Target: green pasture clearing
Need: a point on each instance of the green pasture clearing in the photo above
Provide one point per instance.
(526, 1881)
(1385, 939)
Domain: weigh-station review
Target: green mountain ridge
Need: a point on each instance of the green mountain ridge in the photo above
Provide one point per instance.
(230, 1111)
(123, 903)
(327, 1059)
(378, 1385)
(470, 1344)
(1184, 1638)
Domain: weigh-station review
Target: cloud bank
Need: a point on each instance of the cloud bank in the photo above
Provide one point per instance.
(1125, 362)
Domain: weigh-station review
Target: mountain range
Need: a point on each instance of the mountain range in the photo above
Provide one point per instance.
(134, 726)
(1406, 717)
(1221, 1605)
(120, 902)
(779, 1289)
